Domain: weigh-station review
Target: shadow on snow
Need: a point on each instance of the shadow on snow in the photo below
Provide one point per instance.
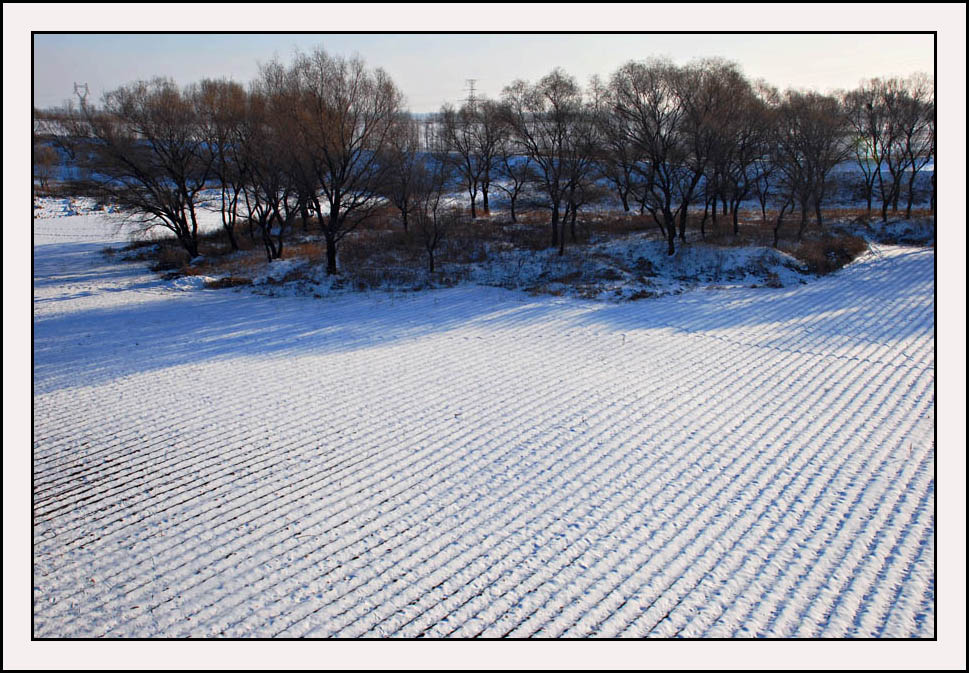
(883, 299)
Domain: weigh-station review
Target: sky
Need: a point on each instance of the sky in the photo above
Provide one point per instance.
(432, 69)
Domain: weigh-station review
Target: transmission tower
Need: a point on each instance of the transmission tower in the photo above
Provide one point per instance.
(81, 91)
(469, 87)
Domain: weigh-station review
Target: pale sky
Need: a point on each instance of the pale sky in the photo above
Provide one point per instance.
(433, 68)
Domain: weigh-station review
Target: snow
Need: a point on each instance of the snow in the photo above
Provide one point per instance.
(476, 461)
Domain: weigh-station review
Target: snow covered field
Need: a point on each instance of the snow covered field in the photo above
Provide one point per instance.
(480, 462)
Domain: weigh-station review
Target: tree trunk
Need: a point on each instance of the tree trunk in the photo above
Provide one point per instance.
(778, 222)
(185, 237)
(279, 238)
(555, 224)
(191, 247)
(911, 196)
(195, 228)
(227, 228)
(330, 254)
(670, 232)
(267, 243)
(703, 220)
(800, 229)
(305, 215)
(228, 220)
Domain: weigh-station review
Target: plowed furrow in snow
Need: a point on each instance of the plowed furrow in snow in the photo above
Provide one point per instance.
(474, 462)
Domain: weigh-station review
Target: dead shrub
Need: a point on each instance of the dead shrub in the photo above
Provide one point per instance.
(467, 246)
(608, 273)
(375, 248)
(384, 218)
(296, 274)
(568, 277)
(773, 280)
(828, 253)
(169, 258)
(244, 264)
(642, 294)
(538, 216)
(619, 224)
(528, 237)
(228, 281)
(375, 278)
(311, 250)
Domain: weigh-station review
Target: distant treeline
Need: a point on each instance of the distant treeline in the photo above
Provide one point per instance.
(326, 140)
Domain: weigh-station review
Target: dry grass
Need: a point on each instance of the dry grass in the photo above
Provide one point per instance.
(312, 250)
(379, 253)
(618, 223)
(245, 263)
(228, 281)
(168, 258)
(827, 253)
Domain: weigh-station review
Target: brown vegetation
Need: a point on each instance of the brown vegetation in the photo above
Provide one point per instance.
(380, 253)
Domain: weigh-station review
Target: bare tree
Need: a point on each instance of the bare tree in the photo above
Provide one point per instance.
(746, 167)
(514, 172)
(866, 116)
(403, 159)
(433, 178)
(739, 121)
(149, 155)
(345, 114)
(916, 119)
(460, 136)
(811, 138)
(932, 150)
(268, 187)
(550, 125)
(893, 101)
(45, 162)
(648, 97)
(63, 129)
(583, 152)
(491, 131)
(617, 155)
(221, 108)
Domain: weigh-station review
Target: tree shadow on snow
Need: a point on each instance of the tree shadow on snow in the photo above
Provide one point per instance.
(883, 299)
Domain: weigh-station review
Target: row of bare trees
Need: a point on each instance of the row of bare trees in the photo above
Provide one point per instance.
(325, 141)
(307, 141)
(670, 139)
(893, 128)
